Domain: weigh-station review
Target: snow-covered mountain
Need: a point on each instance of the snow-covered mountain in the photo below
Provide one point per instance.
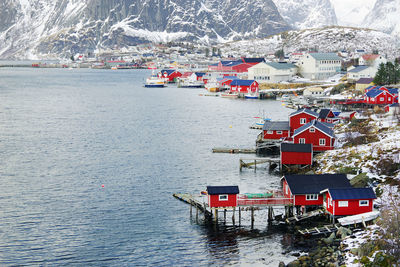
(304, 14)
(352, 13)
(327, 39)
(384, 17)
(30, 28)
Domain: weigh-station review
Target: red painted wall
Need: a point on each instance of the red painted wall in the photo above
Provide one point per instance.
(352, 209)
(313, 138)
(377, 100)
(275, 136)
(294, 121)
(214, 202)
(300, 200)
(245, 89)
(296, 158)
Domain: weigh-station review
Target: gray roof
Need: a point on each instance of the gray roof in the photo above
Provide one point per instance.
(276, 126)
(305, 110)
(359, 68)
(314, 184)
(325, 56)
(281, 66)
(289, 147)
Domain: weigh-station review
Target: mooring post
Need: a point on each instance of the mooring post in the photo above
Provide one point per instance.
(252, 217)
(240, 216)
(233, 217)
(255, 165)
(270, 215)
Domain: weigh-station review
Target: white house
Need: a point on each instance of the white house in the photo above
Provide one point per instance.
(372, 60)
(358, 72)
(272, 72)
(319, 66)
(313, 91)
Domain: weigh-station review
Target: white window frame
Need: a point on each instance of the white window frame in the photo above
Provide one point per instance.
(270, 132)
(365, 204)
(322, 142)
(303, 120)
(302, 140)
(343, 203)
(279, 132)
(312, 130)
(381, 99)
(223, 197)
(312, 197)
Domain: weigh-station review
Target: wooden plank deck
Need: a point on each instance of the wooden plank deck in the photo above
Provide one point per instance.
(304, 216)
(329, 228)
(234, 150)
(193, 201)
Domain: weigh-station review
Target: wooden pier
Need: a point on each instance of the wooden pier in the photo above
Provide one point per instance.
(252, 163)
(234, 150)
(320, 230)
(193, 202)
(304, 216)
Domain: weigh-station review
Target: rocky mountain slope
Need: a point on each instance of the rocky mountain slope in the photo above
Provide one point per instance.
(384, 17)
(30, 28)
(327, 39)
(304, 14)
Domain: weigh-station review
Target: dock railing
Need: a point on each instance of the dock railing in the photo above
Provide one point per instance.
(277, 199)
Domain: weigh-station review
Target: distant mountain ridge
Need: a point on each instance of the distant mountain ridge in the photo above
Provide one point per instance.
(45, 27)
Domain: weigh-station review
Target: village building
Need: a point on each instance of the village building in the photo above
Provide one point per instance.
(362, 71)
(319, 66)
(222, 196)
(272, 72)
(380, 96)
(296, 154)
(373, 60)
(348, 201)
(364, 83)
(313, 92)
(276, 130)
(327, 115)
(244, 86)
(300, 118)
(306, 189)
(316, 133)
(170, 75)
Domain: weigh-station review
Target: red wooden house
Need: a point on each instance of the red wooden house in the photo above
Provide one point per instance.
(240, 68)
(296, 154)
(170, 75)
(244, 86)
(300, 118)
(276, 130)
(306, 189)
(348, 201)
(222, 196)
(316, 133)
(327, 115)
(199, 75)
(379, 96)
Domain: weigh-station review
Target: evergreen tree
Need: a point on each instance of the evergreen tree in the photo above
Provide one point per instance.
(391, 73)
(381, 75)
(207, 52)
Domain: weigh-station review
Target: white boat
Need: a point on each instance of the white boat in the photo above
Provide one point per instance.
(229, 95)
(359, 218)
(212, 86)
(191, 84)
(154, 81)
(251, 96)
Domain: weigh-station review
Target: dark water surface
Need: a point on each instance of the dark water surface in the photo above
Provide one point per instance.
(65, 133)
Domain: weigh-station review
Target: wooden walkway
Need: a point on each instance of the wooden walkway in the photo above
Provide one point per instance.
(304, 216)
(320, 230)
(191, 200)
(234, 150)
(252, 163)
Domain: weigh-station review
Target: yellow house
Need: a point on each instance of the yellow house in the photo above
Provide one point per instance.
(363, 83)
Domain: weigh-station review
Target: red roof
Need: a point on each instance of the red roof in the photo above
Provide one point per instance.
(370, 56)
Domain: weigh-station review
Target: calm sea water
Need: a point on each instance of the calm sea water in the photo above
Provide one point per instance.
(65, 133)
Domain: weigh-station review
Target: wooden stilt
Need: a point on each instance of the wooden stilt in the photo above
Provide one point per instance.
(191, 207)
(197, 213)
(255, 165)
(224, 215)
(233, 217)
(240, 216)
(270, 218)
(252, 217)
(216, 215)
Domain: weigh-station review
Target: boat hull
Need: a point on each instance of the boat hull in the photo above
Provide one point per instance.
(154, 85)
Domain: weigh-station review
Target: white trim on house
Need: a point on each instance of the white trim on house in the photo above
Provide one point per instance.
(223, 197)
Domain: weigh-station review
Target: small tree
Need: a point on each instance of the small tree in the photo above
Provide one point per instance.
(381, 75)
(279, 54)
(207, 52)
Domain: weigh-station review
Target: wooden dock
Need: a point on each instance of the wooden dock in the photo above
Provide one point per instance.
(252, 163)
(304, 216)
(234, 150)
(320, 230)
(193, 202)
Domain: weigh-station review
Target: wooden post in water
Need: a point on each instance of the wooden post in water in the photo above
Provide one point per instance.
(216, 215)
(191, 207)
(255, 165)
(233, 217)
(224, 215)
(270, 218)
(240, 216)
(252, 217)
(197, 213)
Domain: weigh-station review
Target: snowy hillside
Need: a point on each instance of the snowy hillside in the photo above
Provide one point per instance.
(326, 39)
(384, 17)
(304, 14)
(43, 28)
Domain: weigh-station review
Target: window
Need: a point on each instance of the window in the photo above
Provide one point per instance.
(287, 189)
(381, 99)
(223, 197)
(322, 142)
(343, 204)
(312, 130)
(363, 203)
(302, 140)
(278, 132)
(389, 99)
(312, 197)
(303, 120)
(270, 132)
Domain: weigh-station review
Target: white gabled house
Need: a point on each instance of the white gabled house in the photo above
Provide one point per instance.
(319, 66)
(372, 60)
(359, 72)
(272, 72)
